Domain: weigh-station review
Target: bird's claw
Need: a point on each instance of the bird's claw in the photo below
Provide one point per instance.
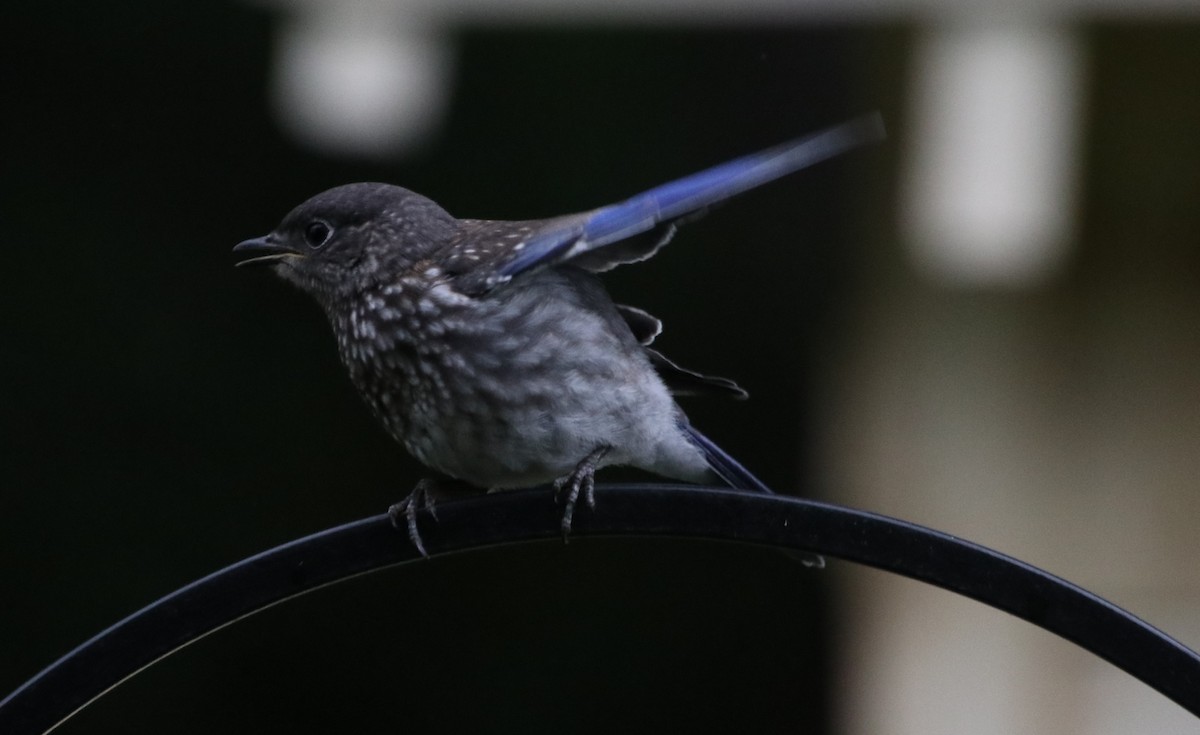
(421, 498)
(581, 481)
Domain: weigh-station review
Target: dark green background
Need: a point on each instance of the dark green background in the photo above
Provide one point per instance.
(165, 415)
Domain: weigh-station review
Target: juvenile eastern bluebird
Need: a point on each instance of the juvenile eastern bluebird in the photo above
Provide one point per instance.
(490, 350)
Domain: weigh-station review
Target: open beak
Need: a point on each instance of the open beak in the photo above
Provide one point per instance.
(261, 250)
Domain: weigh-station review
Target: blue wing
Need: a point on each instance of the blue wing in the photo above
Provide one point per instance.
(572, 238)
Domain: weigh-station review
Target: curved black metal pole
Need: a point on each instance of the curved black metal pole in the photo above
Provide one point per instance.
(683, 511)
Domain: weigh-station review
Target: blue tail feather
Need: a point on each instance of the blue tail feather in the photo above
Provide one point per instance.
(737, 476)
(727, 468)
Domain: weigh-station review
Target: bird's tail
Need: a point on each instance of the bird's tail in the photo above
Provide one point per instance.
(736, 476)
(727, 468)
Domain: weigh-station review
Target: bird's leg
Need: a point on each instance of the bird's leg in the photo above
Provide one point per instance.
(424, 496)
(421, 497)
(582, 479)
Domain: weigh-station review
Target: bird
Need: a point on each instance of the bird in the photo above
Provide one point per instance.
(491, 351)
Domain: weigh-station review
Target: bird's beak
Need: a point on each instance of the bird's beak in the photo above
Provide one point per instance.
(262, 250)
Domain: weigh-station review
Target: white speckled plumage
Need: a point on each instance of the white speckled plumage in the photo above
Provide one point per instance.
(490, 350)
(507, 388)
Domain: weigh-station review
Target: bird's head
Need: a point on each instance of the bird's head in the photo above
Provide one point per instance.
(350, 238)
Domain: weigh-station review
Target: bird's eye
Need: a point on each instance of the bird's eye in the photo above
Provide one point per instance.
(317, 233)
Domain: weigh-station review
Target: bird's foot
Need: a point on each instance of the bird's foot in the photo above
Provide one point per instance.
(421, 498)
(582, 480)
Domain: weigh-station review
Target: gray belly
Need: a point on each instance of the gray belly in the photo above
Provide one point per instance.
(515, 388)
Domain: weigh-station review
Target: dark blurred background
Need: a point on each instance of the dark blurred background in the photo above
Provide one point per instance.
(165, 415)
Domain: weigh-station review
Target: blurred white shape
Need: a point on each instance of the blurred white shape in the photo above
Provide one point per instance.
(365, 83)
(990, 192)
